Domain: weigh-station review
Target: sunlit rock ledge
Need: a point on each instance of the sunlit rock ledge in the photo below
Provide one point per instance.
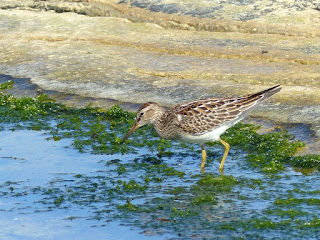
(132, 52)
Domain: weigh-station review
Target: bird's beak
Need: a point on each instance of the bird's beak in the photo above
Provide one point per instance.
(133, 128)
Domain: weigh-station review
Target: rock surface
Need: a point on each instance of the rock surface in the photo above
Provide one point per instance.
(169, 51)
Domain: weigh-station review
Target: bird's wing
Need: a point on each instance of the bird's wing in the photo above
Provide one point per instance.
(200, 116)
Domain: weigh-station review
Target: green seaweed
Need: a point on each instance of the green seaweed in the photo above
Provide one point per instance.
(291, 201)
(306, 161)
(204, 199)
(132, 185)
(209, 182)
(314, 223)
(58, 201)
(291, 213)
(266, 151)
(7, 85)
(130, 207)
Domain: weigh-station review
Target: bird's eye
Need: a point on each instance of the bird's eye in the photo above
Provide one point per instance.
(139, 115)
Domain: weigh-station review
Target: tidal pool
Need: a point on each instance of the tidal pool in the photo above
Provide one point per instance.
(64, 175)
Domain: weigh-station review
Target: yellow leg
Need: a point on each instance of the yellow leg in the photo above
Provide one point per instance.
(204, 157)
(226, 150)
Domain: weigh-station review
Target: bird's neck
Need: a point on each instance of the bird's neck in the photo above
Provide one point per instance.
(163, 125)
(159, 115)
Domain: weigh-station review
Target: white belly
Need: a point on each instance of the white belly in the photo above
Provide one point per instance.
(211, 136)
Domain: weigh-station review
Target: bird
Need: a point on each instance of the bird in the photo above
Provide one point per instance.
(199, 121)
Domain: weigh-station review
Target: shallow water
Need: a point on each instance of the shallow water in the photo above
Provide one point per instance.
(28, 161)
(35, 172)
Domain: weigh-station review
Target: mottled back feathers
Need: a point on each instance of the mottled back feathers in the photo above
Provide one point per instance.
(200, 116)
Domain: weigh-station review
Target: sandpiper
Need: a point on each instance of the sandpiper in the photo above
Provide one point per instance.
(199, 121)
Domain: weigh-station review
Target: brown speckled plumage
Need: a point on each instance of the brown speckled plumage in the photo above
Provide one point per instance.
(201, 120)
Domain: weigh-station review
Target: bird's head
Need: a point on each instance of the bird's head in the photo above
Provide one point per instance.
(147, 114)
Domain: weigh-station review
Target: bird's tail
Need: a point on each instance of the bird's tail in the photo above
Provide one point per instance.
(252, 100)
(266, 93)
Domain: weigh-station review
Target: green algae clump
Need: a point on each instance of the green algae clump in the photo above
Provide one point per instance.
(307, 161)
(269, 151)
(219, 183)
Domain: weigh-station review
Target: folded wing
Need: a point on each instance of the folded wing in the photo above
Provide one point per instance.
(198, 117)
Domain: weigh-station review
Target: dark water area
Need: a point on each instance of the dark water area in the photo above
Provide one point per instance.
(24, 87)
